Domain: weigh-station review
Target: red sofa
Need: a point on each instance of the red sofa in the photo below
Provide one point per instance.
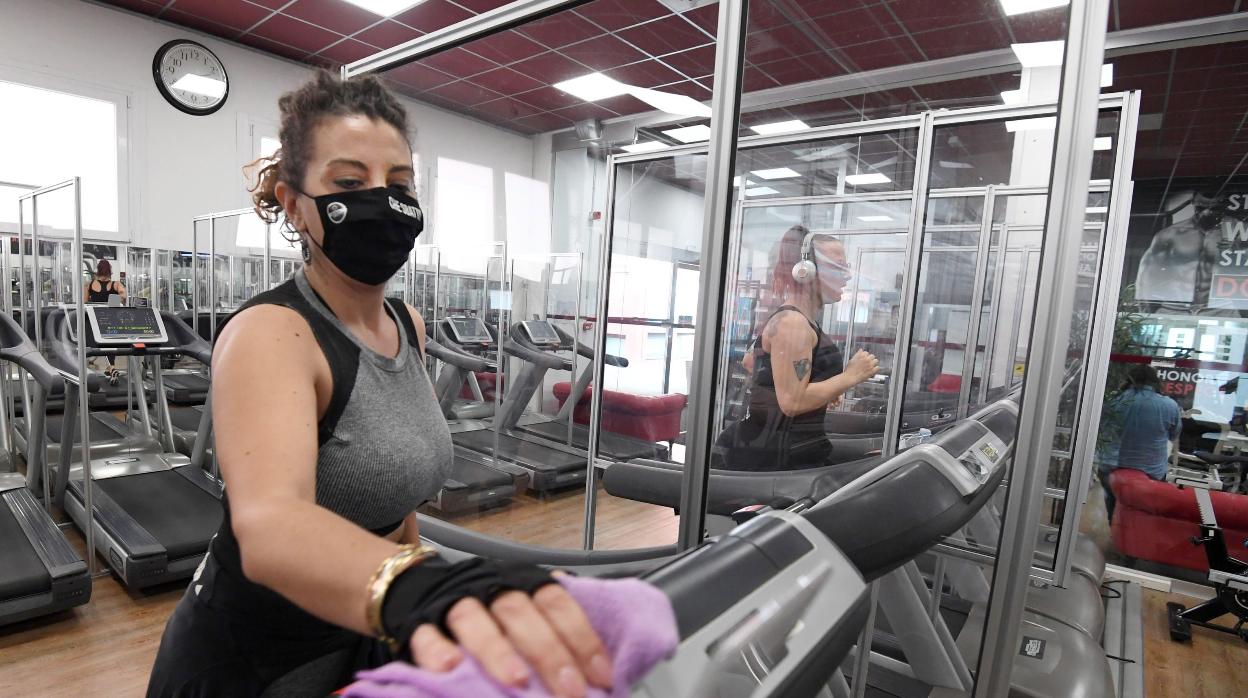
(647, 417)
(1156, 521)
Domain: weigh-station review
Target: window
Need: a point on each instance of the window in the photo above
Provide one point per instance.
(48, 136)
(655, 347)
(615, 344)
(463, 213)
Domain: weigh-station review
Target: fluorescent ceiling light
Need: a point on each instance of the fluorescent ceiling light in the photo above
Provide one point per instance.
(826, 153)
(1107, 75)
(679, 105)
(951, 165)
(200, 85)
(644, 147)
(1018, 7)
(592, 87)
(777, 173)
(760, 191)
(779, 127)
(1012, 97)
(1097, 209)
(690, 134)
(385, 8)
(736, 182)
(1043, 123)
(1039, 54)
(868, 178)
(1103, 143)
(884, 163)
(875, 219)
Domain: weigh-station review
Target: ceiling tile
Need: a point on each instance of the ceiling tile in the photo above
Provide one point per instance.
(1039, 26)
(505, 109)
(506, 81)
(347, 51)
(880, 54)
(234, 13)
(603, 52)
(777, 43)
(644, 74)
(857, 26)
(551, 68)
(465, 93)
(418, 76)
(505, 48)
(813, 66)
(540, 123)
(271, 4)
(925, 15)
(547, 98)
(705, 17)
(336, 15)
(433, 14)
(961, 40)
(1147, 13)
(459, 62)
(614, 15)
(479, 6)
(387, 34)
(273, 47)
(560, 29)
(293, 32)
(586, 111)
(146, 7)
(696, 63)
(664, 36)
(204, 25)
(755, 79)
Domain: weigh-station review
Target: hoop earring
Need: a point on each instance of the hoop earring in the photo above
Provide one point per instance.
(305, 250)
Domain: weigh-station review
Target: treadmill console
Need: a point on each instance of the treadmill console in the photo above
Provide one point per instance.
(541, 332)
(983, 457)
(122, 325)
(469, 330)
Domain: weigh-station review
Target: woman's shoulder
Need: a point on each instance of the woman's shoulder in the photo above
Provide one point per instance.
(265, 328)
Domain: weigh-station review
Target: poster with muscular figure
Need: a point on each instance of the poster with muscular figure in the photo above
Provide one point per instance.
(1191, 243)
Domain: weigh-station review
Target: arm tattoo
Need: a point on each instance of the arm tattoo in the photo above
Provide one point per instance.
(801, 368)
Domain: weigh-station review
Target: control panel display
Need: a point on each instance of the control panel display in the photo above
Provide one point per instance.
(541, 332)
(983, 457)
(469, 330)
(122, 325)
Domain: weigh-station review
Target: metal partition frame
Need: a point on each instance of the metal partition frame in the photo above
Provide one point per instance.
(212, 219)
(84, 412)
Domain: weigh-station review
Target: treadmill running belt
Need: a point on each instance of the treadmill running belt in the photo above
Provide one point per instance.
(21, 571)
(612, 445)
(478, 475)
(179, 515)
(185, 418)
(189, 381)
(99, 430)
(536, 455)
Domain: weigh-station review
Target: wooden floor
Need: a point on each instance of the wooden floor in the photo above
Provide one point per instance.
(107, 647)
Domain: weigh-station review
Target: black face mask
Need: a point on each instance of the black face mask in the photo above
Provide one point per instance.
(369, 233)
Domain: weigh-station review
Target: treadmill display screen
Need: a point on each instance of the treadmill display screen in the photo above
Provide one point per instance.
(469, 330)
(114, 325)
(541, 332)
(982, 458)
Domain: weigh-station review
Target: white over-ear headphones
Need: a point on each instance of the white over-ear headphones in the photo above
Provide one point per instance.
(805, 271)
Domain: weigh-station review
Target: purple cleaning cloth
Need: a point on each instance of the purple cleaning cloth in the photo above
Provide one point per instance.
(633, 618)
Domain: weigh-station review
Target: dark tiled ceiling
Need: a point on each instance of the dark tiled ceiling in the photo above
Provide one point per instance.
(505, 79)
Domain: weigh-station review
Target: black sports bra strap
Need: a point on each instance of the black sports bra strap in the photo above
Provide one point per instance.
(399, 308)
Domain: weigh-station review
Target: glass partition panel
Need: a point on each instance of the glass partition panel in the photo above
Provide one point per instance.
(139, 283)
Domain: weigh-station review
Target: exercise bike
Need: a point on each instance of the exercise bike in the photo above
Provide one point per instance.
(1228, 575)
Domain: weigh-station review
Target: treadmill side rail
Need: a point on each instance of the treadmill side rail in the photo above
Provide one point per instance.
(58, 556)
(201, 479)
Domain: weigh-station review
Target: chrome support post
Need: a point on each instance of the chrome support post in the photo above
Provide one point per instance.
(600, 346)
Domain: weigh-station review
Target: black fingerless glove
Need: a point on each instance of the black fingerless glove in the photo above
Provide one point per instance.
(426, 592)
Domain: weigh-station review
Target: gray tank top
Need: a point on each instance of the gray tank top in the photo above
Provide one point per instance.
(384, 446)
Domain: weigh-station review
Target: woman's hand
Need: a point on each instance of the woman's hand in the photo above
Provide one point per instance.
(548, 630)
(862, 367)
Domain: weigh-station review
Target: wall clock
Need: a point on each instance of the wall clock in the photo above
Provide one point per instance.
(190, 77)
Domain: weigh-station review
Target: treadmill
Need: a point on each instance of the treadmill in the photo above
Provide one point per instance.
(536, 342)
(154, 513)
(549, 466)
(40, 572)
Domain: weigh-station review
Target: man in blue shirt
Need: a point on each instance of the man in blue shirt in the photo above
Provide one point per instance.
(1140, 423)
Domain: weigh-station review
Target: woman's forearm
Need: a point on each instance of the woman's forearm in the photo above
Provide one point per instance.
(313, 557)
(817, 395)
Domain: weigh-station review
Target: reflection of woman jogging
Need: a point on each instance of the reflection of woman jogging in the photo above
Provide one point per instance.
(796, 370)
(98, 291)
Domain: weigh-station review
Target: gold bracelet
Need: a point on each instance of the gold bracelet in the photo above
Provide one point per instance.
(389, 569)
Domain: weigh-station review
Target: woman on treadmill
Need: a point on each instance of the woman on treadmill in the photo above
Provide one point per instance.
(796, 372)
(329, 436)
(97, 291)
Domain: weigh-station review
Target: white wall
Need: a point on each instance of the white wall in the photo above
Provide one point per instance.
(181, 165)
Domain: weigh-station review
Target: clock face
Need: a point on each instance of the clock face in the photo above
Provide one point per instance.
(190, 77)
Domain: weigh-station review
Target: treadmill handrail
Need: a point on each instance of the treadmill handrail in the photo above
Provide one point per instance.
(186, 339)
(525, 350)
(457, 358)
(63, 351)
(588, 352)
(19, 349)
